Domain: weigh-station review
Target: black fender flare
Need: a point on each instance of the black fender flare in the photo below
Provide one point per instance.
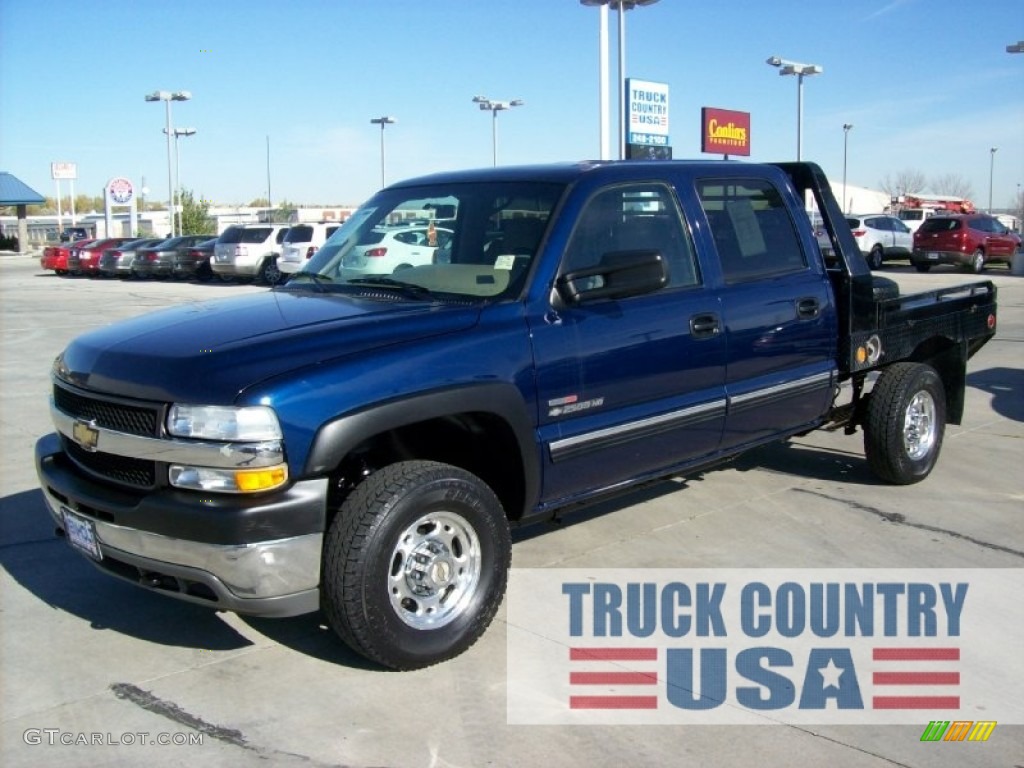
(338, 437)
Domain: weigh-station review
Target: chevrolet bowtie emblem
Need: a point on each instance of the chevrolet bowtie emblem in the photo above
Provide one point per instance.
(86, 434)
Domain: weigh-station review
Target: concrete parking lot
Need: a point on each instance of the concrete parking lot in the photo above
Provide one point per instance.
(82, 654)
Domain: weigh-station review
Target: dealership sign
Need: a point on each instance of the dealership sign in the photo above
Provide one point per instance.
(765, 646)
(60, 171)
(647, 112)
(724, 131)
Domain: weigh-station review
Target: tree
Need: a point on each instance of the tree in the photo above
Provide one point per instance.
(259, 202)
(195, 218)
(907, 182)
(952, 184)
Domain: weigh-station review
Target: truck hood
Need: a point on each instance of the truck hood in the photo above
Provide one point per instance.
(209, 352)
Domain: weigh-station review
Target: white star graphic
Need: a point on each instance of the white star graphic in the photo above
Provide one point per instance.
(830, 674)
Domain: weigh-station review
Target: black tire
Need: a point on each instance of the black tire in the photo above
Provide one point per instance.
(876, 258)
(415, 564)
(922, 266)
(270, 273)
(906, 421)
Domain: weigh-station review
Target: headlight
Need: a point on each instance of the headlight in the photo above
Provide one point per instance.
(224, 422)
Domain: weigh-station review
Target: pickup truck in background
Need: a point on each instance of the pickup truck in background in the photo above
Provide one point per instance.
(361, 441)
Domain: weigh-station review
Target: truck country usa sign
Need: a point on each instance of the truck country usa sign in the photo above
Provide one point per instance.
(724, 131)
(757, 647)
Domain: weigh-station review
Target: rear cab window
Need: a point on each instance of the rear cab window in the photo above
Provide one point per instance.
(752, 228)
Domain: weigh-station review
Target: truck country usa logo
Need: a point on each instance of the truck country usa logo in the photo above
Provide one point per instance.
(752, 646)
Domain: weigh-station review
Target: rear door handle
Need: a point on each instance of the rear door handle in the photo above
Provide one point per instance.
(705, 326)
(808, 309)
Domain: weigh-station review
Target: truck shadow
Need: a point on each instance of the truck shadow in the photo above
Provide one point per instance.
(44, 565)
(1006, 385)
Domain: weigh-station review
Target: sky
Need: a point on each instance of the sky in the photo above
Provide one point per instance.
(291, 85)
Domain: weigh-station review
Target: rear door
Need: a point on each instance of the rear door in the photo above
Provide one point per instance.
(779, 318)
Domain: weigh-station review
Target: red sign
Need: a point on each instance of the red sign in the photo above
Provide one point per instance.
(724, 131)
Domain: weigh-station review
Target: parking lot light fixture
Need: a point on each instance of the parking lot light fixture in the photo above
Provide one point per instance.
(167, 97)
(621, 6)
(382, 121)
(1017, 47)
(494, 107)
(787, 67)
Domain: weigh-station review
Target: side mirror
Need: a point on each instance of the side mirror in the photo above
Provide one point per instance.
(620, 274)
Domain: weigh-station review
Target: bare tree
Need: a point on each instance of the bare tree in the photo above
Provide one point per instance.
(952, 184)
(906, 182)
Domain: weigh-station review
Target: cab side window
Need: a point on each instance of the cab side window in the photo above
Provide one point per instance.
(753, 231)
(633, 217)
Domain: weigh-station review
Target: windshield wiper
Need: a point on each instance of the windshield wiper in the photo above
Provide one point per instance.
(410, 289)
(318, 280)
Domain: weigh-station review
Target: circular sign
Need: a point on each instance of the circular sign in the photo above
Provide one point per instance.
(120, 190)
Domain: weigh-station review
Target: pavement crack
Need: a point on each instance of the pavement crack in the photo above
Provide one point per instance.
(899, 519)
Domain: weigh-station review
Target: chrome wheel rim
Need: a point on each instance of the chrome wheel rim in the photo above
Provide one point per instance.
(919, 426)
(435, 570)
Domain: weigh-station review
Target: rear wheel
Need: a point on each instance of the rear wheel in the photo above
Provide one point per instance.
(922, 267)
(875, 258)
(978, 262)
(906, 421)
(415, 564)
(270, 273)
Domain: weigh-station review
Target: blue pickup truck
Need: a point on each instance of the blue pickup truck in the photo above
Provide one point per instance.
(360, 439)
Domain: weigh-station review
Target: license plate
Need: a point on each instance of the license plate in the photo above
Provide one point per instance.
(933, 256)
(81, 533)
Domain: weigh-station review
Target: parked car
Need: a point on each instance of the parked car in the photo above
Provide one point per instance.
(85, 259)
(117, 262)
(301, 242)
(71, 234)
(55, 256)
(970, 240)
(384, 250)
(195, 260)
(158, 260)
(249, 251)
(880, 236)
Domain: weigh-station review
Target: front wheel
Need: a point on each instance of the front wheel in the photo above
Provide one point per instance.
(415, 564)
(906, 421)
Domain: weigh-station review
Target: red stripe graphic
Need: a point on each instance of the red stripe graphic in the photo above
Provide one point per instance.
(916, 678)
(613, 702)
(916, 702)
(613, 654)
(613, 678)
(916, 654)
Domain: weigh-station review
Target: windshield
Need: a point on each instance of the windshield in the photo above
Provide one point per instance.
(450, 240)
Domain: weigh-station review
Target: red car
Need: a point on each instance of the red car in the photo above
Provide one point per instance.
(55, 256)
(971, 240)
(85, 259)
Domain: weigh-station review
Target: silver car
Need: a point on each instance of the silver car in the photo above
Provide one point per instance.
(881, 236)
(249, 251)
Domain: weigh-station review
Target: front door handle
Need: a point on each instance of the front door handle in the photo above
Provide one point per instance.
(705, 326)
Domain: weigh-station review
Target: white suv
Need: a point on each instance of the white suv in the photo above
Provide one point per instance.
(249, 251)
(881, 236)
(301, 242)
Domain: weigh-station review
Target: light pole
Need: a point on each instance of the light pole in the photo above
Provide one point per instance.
(846, 136)
(382, 121)
(800, 70)
(494, 107)
(178, 133)
(991, 170)
(167, 97)
(621, 6)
